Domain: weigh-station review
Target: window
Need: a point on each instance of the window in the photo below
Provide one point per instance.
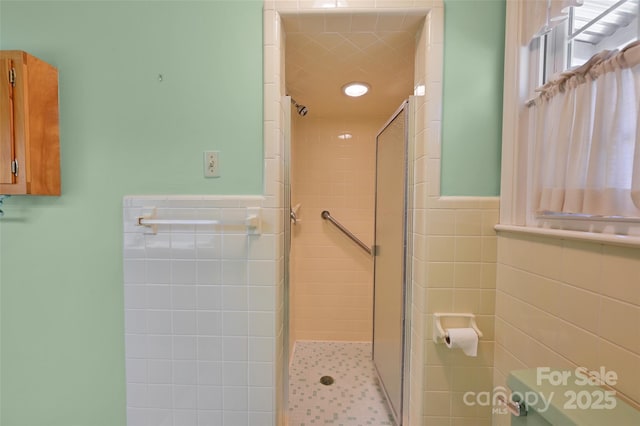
(594, 26)
(576, 165)
(600, 25)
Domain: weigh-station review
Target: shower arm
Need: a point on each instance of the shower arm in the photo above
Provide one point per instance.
(302, 109)
(327, 216)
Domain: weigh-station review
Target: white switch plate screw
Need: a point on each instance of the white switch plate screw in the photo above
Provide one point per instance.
(211, 164)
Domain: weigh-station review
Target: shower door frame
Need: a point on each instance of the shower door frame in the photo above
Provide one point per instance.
(408, 106)
(286, 314)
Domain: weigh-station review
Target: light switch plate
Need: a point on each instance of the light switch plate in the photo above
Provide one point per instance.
(211, 164)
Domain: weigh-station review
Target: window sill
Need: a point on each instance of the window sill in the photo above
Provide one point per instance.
(563, 234)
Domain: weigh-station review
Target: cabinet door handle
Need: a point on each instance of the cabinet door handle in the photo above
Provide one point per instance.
(14, 167)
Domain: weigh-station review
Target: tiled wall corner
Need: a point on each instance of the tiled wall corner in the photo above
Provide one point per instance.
(274, 187)
(460, 247)
(454, 257)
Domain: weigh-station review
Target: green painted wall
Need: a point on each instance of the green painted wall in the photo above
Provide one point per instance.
(472, 101)
(122, 132)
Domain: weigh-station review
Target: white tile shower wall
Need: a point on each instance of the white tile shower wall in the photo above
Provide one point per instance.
(200, 305)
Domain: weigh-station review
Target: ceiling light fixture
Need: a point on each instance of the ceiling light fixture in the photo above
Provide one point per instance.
(355, 89)
(345, 135)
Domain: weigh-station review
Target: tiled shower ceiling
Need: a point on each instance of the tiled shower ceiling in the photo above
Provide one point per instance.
(325, 51)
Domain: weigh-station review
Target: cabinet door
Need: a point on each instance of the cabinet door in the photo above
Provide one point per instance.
(29, 134)
(7, 134)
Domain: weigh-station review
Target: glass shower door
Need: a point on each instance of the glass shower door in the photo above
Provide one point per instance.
(390, 254)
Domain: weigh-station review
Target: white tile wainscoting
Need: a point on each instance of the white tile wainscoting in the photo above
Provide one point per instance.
(199, 313)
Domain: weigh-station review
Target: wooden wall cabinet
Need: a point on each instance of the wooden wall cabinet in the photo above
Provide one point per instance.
(29, 125)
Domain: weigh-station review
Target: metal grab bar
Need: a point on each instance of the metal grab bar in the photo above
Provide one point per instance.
(327, 216)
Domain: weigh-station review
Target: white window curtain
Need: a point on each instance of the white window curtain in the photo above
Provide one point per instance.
(587, 138)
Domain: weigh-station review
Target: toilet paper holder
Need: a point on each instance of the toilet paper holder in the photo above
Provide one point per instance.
(439, 333)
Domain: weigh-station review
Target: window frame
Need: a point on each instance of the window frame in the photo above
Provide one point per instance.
(555, 54)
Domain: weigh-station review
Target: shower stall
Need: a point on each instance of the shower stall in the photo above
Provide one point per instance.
(344, 305)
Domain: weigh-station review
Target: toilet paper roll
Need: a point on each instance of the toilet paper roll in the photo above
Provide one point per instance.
(463, 338)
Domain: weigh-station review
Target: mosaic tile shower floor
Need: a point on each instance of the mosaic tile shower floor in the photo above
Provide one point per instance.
(354, 399)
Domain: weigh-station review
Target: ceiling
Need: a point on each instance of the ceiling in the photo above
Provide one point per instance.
(324, 51)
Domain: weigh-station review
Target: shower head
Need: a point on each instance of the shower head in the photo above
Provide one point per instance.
(302, 110)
